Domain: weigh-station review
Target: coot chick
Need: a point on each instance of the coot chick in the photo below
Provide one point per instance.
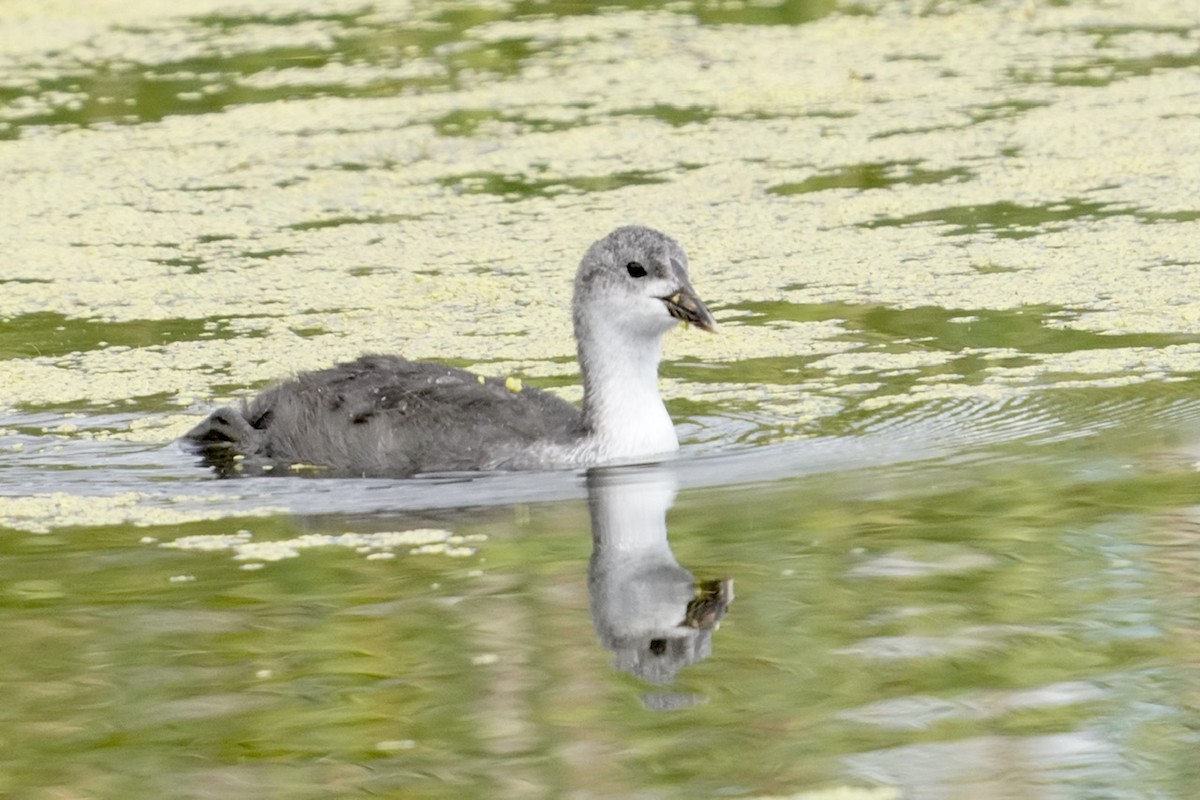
(388, 416)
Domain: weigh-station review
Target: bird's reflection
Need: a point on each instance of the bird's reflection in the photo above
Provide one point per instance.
(647, 609)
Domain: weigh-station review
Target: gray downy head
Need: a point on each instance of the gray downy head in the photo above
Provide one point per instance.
(635, 281)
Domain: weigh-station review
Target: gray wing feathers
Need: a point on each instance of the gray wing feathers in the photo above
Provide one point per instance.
(385, 415)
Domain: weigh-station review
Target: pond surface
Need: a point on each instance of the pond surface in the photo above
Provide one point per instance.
(934, 531)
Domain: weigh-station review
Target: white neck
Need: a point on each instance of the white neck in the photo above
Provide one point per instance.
(622, 409)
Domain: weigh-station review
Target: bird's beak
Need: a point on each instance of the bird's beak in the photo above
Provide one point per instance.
(684, 305)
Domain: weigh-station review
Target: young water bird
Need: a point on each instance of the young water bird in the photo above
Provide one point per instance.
(388, 416)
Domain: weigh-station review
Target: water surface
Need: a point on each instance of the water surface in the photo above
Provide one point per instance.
(939, 478)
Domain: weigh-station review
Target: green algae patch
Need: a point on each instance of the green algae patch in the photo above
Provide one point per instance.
(377, 545)
(48, 511)
(879, 206)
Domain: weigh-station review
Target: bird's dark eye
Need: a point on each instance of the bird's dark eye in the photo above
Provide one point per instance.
(635, 270)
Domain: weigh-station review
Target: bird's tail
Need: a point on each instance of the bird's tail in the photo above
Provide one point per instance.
(224, 440)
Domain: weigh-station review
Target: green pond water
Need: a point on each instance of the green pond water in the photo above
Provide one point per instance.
(934, 530)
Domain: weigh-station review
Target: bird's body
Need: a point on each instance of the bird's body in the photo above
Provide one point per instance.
(388, 416)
